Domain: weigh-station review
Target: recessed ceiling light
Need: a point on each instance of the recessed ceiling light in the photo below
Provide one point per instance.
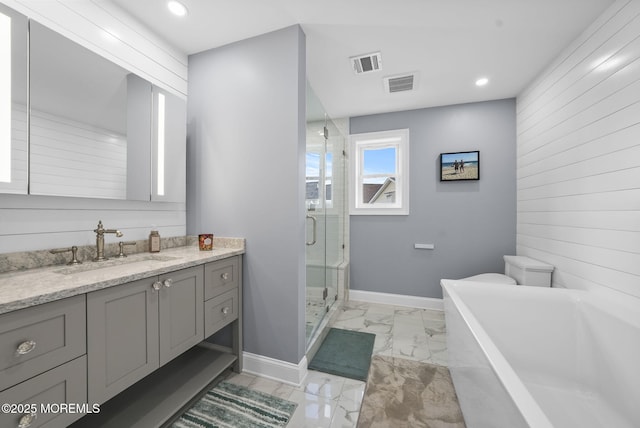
(177, 8)
(482, 81)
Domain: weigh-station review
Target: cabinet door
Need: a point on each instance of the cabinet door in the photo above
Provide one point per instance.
(181, 312)
(122, 337)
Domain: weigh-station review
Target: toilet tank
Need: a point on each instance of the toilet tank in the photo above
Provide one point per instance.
(527, 271)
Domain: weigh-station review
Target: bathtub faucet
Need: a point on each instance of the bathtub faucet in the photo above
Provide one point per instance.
(100, 231)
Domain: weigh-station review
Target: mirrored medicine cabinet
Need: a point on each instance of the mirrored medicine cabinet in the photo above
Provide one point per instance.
(88, 127)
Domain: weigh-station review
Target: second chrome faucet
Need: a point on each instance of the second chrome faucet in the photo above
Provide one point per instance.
(100, 231)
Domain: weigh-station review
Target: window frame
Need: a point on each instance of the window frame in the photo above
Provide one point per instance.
(358, 143)
(324, 179)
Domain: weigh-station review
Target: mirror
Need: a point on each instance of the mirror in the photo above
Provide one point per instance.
(14, 157)
(79, 125)
(87, 115)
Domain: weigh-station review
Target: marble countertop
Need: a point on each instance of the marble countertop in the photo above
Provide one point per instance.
(32, 287)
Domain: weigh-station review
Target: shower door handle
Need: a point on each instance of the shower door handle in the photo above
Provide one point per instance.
(315, 227)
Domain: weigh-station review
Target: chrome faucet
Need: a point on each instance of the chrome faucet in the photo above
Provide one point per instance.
(100, 231)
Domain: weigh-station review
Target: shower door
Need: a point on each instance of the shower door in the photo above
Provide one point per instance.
(316, 257)
(325, 212)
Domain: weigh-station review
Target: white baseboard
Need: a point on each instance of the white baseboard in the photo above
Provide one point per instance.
(396, 299)
(281, 371)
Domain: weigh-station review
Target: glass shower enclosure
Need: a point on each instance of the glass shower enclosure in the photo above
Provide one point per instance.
(325, 212)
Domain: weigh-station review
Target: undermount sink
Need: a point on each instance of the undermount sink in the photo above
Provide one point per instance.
(91, 265)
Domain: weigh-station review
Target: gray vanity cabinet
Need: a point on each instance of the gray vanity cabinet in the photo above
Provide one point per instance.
(134, 328)
(43, 393)
(221, 293)
(39, 338)
(122, 337)
(181, 311)
(43, 362)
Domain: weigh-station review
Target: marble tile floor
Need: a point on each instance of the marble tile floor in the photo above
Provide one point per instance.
(328, 401)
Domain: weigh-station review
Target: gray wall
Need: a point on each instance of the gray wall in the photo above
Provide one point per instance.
(472, 224)
(246, 147)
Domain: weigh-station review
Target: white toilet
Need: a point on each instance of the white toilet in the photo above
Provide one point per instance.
(518, 270)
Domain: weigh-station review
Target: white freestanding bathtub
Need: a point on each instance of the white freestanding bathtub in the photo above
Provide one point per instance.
(543, 357)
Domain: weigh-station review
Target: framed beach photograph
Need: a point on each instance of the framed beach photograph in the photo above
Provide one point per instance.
(460, 166)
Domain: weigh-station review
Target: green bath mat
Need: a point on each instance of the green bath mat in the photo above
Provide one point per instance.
(231, 405)
(345, 353)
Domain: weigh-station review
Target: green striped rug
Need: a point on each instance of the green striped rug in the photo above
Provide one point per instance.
(233, 406)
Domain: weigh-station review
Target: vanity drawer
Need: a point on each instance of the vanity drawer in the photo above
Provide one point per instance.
(220, 311)
(64, 384)
(221, 276)
(38, 338)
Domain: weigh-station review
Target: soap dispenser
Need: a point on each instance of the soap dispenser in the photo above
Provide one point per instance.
(154, 241)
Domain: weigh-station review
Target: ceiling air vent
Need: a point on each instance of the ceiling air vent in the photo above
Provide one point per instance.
(400, 83)
(366, 63)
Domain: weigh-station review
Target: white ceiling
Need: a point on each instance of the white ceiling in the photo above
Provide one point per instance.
(450, 43)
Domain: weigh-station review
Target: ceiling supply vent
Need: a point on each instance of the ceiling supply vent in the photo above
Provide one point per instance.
(400, 83)
(366, 63)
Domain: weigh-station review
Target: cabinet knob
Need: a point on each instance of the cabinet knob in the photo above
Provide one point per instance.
(225, 276)
(25, 347)
(167, 282)
(157, 285)
(226, 310)
(27, 419)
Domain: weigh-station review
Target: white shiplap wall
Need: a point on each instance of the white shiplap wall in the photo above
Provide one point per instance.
(104, 28)
(42, 222)
(579, 158)
(76, 159)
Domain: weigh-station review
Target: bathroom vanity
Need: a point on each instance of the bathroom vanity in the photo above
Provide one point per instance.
(122, 340)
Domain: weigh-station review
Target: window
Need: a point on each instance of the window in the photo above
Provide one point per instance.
(319, 171)
(379, 169)
(313, 196)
